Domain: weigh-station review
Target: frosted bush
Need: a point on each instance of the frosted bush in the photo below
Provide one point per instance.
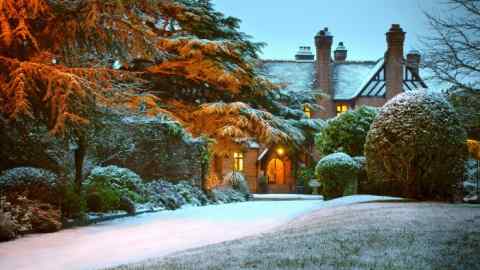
(24, 176)
(107, 187)
(164, 194)
(226, 195)
(193, 195)
(238, 182)
(416, 148)
(34, 183)
(123, 180)
(338, 175)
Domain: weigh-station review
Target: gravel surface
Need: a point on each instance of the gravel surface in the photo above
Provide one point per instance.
(362, 236)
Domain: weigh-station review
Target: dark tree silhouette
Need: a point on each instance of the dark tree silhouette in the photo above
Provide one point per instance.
(453, 49)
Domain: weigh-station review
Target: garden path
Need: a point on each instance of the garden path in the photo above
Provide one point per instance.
(154, 235)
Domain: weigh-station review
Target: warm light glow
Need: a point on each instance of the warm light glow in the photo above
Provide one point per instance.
(341, 108)
(280, 151)
(238, 161)
(307, 111)
(474, 149)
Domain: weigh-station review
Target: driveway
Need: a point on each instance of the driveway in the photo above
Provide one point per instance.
(154, 235)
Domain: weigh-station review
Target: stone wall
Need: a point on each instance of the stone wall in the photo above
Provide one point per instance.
(154, 149)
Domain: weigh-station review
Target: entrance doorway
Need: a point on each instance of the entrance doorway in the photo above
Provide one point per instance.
(276, 172)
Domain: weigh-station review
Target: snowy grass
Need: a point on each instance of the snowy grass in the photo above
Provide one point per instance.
(362, 236)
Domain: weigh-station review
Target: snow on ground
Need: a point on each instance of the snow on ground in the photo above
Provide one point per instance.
(286, 197)
(137, 238)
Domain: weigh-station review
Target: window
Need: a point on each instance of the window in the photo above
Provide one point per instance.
(238, 161)
(307, 111)
(341, 108)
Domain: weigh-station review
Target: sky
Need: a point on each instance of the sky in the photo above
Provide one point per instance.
(361, 24)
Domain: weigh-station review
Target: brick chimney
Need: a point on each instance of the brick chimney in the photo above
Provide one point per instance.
(394, 61)
(323, 44)
(413, 60)
(340, 53)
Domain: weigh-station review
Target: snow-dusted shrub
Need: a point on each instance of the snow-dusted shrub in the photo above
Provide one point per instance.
(34, 183)
(124, 181)
(238, 182)
(7, 227)
(226, 195)
(105, 186)
(467, 105)
(346, 132)
(472, 171)
(26, 216)
(164, 194)
(193, 195)
(337, 174)
(416, 147)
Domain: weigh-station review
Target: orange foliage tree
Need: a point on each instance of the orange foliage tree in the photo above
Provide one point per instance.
(61, 60)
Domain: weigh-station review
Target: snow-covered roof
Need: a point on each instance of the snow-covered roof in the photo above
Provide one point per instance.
(348, 77)
(295, 76)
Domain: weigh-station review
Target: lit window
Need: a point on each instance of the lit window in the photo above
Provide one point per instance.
(307, 111)
(238, 160)
(341, 108)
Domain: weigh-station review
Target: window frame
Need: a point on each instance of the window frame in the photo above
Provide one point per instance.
(341, 108)
(238, 162)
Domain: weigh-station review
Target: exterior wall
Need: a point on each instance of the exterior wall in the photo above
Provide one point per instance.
(251, 168)
(370, 101)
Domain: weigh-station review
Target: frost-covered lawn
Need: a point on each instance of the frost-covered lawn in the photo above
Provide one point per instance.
(154, 235)
(383, 236)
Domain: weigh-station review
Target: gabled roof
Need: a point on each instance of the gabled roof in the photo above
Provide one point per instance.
(350, 79)
(349, 76)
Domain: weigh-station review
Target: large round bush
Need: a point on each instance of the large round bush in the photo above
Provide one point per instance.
(346, 132)
(105, 187)
(416, 147)
(33, 183)
(337, 174)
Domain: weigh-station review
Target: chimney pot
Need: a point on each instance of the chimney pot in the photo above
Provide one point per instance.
(340, 53)
(413, 60)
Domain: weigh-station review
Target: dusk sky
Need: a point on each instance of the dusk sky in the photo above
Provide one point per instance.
(360, 24)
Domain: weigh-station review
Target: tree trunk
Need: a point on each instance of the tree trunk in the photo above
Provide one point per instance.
(80, 153)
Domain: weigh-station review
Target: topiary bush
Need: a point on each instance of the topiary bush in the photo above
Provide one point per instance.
(338, 175)
(105, 186)
(346, 132)
(416, 148)
(33, 183)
